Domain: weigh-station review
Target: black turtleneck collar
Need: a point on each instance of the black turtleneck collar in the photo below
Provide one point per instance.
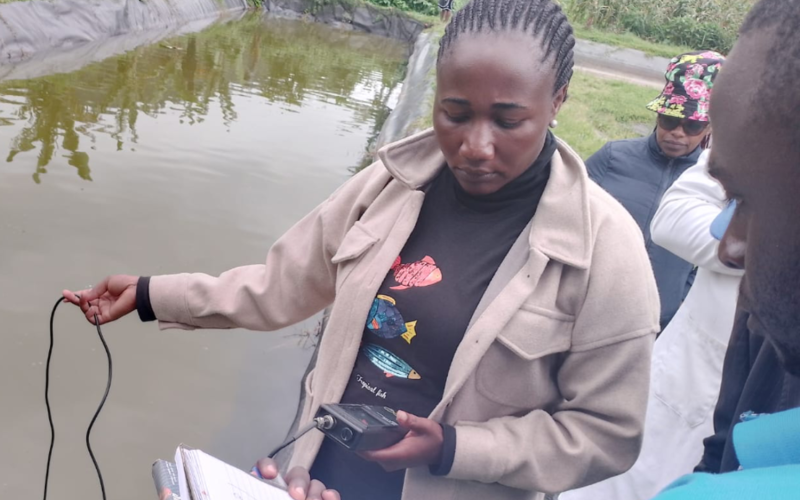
(527, 187)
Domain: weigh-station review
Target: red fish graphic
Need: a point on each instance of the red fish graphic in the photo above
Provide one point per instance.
(421, 273)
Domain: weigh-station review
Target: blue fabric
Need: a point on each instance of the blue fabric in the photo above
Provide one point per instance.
(723, 220)
(769, 450)
(769, 441)
(637, 173)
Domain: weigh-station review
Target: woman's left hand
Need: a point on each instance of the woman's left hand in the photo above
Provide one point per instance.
(299, 484)
(421, 446)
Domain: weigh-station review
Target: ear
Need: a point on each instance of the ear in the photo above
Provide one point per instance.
(559, 99)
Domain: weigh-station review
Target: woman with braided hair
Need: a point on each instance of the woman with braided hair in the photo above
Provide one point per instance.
(478, 282)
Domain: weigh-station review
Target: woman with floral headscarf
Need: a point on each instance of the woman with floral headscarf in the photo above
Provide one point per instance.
(637, 172)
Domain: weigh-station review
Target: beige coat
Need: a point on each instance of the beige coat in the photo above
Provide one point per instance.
(548, 388)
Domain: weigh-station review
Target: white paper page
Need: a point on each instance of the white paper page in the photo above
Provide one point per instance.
(183, 487)
(213, 479)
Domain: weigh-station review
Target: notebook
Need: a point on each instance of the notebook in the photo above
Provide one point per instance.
(203, 477)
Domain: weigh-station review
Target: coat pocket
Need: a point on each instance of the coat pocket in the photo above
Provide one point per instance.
(687, 370)
(355, 244)
(519, 368)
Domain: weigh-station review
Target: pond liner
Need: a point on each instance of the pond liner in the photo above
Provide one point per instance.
(67, 60)
(46, 37)
(351, 14)
(27, 28)
(414, 106)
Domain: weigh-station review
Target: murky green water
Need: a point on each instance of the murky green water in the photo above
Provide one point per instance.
(195, 154)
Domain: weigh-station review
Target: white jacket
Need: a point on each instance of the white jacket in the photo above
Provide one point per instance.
(689, 354)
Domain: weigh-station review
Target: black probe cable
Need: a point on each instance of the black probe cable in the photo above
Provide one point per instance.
(47, 402)
(322, 423)
(302, 432)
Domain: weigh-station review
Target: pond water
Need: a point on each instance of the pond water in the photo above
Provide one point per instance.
(194, 154)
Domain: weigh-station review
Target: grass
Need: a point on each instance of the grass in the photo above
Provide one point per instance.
(630, 41)
(601, 110)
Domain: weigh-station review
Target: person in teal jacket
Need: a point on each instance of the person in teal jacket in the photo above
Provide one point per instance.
(768, 448)
(756, 157)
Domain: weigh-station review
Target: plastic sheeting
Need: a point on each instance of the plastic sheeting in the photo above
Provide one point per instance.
(27, 28)
(351, 15)
(48, 62)
(415, 99)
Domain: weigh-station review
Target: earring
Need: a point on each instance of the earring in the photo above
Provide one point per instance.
(554, 124)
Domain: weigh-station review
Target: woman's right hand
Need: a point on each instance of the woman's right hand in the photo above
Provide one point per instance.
(111, 299)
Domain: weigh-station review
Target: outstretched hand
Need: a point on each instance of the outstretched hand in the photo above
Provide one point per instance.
(111, 299)
(421, 446)
(300, 484)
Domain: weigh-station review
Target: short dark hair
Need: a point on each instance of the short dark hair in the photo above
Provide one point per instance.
(779, 92)
(542, 19)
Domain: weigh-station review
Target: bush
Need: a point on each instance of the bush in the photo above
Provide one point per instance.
(426, 7)
(703, 24)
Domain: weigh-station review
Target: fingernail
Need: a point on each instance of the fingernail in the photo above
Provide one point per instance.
(257, 472)
(301, 491)
(272, 471)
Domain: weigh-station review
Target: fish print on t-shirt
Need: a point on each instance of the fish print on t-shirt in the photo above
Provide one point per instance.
(386, 321)
(391, 365)
(421, 273)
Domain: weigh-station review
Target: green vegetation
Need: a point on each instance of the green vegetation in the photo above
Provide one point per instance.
(601, 110)
(422, 10)
(630, 41)
(425, 7)
(702, 24)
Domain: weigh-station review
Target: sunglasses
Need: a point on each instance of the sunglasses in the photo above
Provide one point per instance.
(692, 128)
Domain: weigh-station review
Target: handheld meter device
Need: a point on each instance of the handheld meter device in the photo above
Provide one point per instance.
(360, 427)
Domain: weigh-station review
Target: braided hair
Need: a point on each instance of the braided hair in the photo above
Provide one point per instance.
(542, 19)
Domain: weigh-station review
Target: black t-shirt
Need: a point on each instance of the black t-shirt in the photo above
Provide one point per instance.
(423, 308)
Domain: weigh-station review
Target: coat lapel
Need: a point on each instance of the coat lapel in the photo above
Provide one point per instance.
(371, 275)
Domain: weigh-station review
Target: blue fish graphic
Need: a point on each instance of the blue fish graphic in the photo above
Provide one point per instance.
(386, 322)
(391, 365)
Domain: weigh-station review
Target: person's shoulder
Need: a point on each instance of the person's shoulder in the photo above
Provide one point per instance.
(614, 153)
(767, 448)
(606, 213)
(776, 483)
(369, 181)
(624, 145)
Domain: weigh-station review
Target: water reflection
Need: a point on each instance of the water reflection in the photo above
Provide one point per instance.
(284, 62)
(203, 151)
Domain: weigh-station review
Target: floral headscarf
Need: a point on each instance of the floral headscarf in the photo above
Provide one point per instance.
(690, 78)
